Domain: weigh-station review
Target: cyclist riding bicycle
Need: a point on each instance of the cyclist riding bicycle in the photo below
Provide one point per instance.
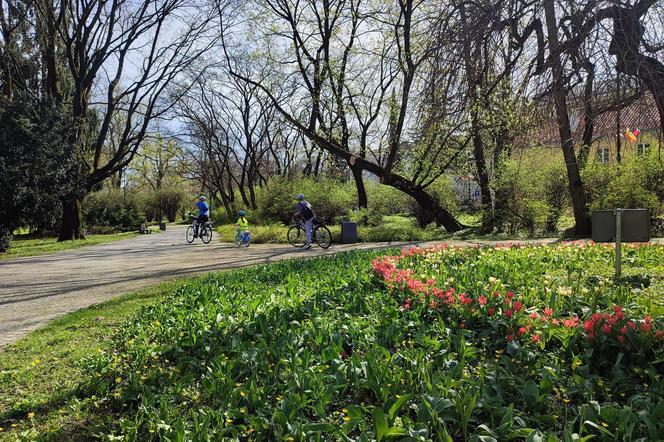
(203, 214)
(306, 213)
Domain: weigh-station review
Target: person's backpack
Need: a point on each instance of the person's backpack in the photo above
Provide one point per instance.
(306, 211)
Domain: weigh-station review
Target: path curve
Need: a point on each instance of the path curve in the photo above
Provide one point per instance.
(35, 290)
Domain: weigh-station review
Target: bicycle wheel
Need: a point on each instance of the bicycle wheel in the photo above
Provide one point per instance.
(296, 236)
(206, 234)
(323, 236)
(190, 234)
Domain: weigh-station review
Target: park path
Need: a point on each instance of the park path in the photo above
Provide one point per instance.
(35, 290)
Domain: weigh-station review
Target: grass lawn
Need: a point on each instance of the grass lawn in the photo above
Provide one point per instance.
(44, 373)
(394, 228)
(533, 343)
(31, 247)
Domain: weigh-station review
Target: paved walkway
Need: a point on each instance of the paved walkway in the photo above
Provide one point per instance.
(35, 290)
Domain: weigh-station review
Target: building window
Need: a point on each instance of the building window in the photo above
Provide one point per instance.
(602, 155)
(642, 148)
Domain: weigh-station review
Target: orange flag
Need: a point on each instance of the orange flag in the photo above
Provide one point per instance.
(630, 135)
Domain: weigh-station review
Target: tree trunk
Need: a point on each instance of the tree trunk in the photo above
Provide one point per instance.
(483, 178)
(573, 176)
(473, 80)
(362, 202)
(70, 229)
(245, 200)
(427, 203)
(252, 195)
(625, 45)
(588, 116)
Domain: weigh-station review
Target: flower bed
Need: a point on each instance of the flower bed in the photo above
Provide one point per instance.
(536, 314)
(535, 343)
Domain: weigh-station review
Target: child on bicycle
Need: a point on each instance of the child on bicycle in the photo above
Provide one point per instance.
(242, 230)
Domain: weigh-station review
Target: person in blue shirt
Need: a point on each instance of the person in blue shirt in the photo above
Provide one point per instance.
(304, 210)
(203, 213)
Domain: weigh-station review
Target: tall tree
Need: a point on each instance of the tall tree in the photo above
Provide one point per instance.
(112, 42)
(579, 204)
(306, 31)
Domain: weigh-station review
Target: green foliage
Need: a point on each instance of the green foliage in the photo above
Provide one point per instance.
(37, 168)
(320, 349)
(165, 202)
(220, 216)
(387, 200)
(531, 192)
(116, 208)
(366, 217)
(636, 182)
(443, 191)
(330, 199)
(5, 239)
(335, 200)
(391, 228)
(39, 373)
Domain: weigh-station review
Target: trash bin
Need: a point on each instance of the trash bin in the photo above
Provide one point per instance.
(348, 232)
(162, 226)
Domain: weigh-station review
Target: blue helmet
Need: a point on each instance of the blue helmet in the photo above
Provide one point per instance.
(299, 197)
(241, 212)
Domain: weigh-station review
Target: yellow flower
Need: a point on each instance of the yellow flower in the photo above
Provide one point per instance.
(118, 380)
(1, 429)
(243, 410)
(605, 425)
(346, 418)
(31, 415)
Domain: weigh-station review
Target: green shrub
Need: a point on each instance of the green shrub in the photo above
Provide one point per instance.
(5, 239)
(531, 192)
(330, 199)
(335, 200)
(220, 216)
(112, 208)
(636, 182)
(169, 201)
(366, 217)
(387, 200)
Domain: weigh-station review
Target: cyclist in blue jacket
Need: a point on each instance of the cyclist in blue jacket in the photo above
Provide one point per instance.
(203, 214)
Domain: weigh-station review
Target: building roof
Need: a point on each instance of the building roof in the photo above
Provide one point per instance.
(642, 114)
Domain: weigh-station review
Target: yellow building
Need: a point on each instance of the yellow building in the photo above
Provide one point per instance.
(610, 138)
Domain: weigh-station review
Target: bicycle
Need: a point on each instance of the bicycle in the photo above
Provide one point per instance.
(204, 232)
(321, 235)
(242, 238)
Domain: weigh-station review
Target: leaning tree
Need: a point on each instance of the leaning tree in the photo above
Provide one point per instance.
(349, 70)
(119, 57)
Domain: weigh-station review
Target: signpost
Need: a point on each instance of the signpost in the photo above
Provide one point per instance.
(628, 225)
